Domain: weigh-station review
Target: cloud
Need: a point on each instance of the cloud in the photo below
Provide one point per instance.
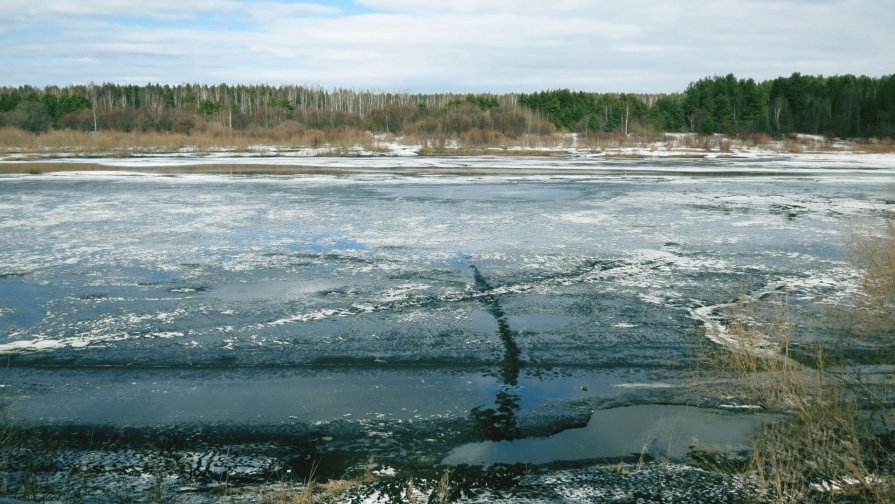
(553, 8)
(460, 45)
(51, 10)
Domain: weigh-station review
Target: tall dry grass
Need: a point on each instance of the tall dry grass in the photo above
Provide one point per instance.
(285, 135)
(825, 452)
(344, 140)
(876, 146)
(487, 142)
(837, 442)
(759, 369)
(826, 448)
(875, 258)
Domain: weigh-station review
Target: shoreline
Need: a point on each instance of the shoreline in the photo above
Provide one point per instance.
(404, 160)
(470, 166)
(378, 146)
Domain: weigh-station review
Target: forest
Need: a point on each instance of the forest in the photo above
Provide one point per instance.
(840, 106)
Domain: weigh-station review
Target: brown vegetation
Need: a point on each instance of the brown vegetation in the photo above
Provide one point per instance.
(877, 146)
(875, 257)
(286, 135)
(837, 443)
(289, 134)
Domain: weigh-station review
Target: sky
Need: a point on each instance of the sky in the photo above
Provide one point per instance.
(441, 45)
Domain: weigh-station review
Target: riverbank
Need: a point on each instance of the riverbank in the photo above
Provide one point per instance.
(16, 145)
(623, 162)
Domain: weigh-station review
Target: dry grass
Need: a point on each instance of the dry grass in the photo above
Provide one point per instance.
(792, 146)
(876, 146)
(410, 493)
(286, 135)
(444, 485)
(824, 451)
(311, 490)
(875, 257)
(336, 490)
(489, 142)
(758, 369)
(291, 135)
(604, 141)
(289, 495)
(830, 449)
(757, 140)
(827, 442)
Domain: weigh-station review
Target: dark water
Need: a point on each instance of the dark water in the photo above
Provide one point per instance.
(411, 314)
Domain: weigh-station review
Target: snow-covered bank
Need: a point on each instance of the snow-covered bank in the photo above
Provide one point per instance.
(628, 161)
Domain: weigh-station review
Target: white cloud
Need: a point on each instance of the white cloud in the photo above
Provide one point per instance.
(459, 45)
(527, 7)
(50, 10)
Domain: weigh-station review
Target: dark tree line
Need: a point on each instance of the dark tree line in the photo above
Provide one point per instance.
(605, 112)
(844, 106)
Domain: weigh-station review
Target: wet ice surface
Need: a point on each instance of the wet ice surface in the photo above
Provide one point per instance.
(368, 307)
(655, 430)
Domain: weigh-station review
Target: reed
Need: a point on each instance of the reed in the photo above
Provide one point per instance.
(836, 443)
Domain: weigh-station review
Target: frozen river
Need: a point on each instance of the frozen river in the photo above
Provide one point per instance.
(483, 305)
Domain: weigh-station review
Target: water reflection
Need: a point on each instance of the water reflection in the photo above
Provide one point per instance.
(500, 423)
(668, 432)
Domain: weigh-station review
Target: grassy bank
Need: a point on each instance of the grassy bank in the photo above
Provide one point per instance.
(351, 142)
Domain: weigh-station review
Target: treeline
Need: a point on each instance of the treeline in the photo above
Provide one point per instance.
(843, 106)
(584, 112)
(184, 108)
